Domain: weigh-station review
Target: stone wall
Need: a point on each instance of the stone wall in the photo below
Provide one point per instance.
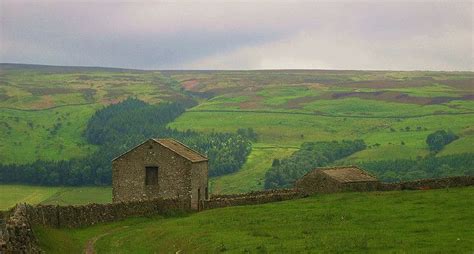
(86, 215)
(426, 184)
(251, 198)
(16, 234)
(199, 184)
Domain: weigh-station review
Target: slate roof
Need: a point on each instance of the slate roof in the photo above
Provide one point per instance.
(181, 149)
(175, 146)
(348, 174)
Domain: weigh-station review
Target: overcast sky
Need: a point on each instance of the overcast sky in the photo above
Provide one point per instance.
(397, 35)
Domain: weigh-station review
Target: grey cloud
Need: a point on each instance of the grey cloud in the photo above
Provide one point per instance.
(215, 34)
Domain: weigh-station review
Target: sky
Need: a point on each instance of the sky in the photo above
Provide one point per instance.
(362, 35)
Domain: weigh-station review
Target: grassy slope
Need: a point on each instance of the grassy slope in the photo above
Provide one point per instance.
(252, 175)
(29, 137)
(33, 100)
(438, 221)
(13, 194)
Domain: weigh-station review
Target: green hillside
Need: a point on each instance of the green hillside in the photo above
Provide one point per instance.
(44, 110)
(434, 221)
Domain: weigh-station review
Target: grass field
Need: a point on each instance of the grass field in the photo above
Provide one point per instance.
(252, 175)
(434, 221)
(51, 134)
(13, 194)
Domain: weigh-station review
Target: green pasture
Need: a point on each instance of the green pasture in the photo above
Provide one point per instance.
(251, 177)
(434, 221)
(51, 134)
(388, 138)
(13, 194)
(280, 95)
(364, 107)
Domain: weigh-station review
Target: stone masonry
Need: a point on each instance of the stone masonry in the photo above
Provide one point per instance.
(161, 168)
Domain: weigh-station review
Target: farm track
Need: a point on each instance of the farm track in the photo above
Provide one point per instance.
(329, 115)
(89, 248)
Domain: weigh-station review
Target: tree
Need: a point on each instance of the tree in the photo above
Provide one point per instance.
(438, 139)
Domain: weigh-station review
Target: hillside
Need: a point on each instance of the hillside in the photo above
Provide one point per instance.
(44, 111)
(414, 221)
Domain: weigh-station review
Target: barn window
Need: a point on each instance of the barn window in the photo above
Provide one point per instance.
(151, 177)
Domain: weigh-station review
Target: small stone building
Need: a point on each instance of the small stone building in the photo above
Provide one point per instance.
(160, 168)
(337, 179)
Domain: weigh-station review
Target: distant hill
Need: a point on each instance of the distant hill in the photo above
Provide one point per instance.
(392, 111)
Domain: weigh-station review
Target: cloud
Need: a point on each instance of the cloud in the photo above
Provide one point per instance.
(316, 50)
(239, 35)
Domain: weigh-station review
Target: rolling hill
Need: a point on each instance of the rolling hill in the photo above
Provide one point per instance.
(44, 110)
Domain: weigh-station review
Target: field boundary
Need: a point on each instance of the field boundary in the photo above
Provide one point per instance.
(50, 108)
(325, 114)
(17, 231)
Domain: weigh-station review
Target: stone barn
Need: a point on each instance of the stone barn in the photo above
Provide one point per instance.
(337, 179)
(160, 168)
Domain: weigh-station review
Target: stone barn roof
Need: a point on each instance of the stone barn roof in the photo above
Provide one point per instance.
(344, 174)
(181, 149)
(348, 174)
(175, 146)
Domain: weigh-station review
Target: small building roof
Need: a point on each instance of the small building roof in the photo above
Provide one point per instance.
(175, 146)
(348, 174)
(181, 149)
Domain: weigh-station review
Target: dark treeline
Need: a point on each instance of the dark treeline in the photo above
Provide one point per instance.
(438, 139)
(427, 167)
(117, 128)
(285, 172)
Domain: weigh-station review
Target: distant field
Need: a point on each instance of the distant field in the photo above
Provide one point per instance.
(50, 134)
(44, 110)
(439, 221)
(252, 175)
(290, 129)
(13, 194)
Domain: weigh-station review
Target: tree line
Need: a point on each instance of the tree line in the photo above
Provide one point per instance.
(117, 128)
(430, 166)
(438, 139)
(283, 173)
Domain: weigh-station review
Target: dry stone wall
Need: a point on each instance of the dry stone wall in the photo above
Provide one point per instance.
(251, 198)
(16, 235)
(426, 184)
(86, 215)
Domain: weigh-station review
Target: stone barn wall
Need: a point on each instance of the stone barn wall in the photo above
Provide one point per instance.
(315, 182)
(128, 177)
(199, 184)
(360, 186)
